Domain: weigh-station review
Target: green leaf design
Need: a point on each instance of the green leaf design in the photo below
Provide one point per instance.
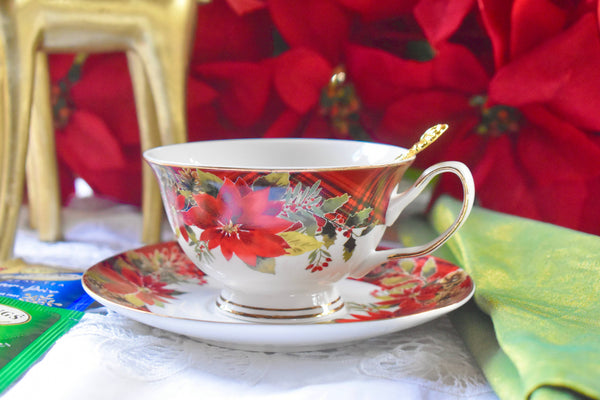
(359, 218)
(332, 204)
(349, 247)
(307, 220)
(209, 183)
(281, 179)
(190, 232)
(407, 265)
(429, 268)
(300, 243)
(194, 181)
(264, 265)
(329, 234)
(368, 229)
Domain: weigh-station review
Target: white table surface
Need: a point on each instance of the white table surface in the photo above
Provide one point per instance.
(107, 356)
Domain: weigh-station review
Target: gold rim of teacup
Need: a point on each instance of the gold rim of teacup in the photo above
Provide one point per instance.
(395, 162)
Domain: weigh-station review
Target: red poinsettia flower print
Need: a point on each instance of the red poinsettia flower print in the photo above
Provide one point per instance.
(371, 315)
(240, 221)
(414, 299)
(128, 282)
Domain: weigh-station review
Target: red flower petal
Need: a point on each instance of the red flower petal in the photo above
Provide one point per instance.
(406, 119)
(213, 236)
(199, 93)
(528, 29)
(300, 75)
(263, 244)
(242, 7)
(496, 18)
(552, 149)
(558, 73)
(222, 34)
(230, 245)
(254, 203)
(59, 65)
(205, 214)
(381, 78)
(87, 144)
(243, 88)
(564, 203)
(105, 90)
(322, 25)
(381, 9)
(230, 203)
(455, 67)
(502, 183)
(286, 125)
(440, 19)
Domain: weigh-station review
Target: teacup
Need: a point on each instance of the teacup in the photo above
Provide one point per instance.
(278, 222)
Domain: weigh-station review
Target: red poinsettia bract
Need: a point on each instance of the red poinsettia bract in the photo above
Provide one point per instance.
(241, 221)
(146, 288)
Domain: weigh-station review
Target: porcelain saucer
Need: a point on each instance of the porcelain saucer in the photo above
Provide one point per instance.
(159, 286)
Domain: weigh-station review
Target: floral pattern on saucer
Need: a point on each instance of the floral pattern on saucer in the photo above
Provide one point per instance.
(144, 277)
(153, 275)
(411, 286)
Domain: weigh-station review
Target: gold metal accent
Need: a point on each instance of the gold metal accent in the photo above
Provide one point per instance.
(157, 37)
(280, 317)
(428, 137)
(278, 309)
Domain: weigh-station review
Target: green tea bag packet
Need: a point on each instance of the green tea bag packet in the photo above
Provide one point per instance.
(27, 331)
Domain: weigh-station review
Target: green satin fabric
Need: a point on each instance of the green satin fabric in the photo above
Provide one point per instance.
(540, 285)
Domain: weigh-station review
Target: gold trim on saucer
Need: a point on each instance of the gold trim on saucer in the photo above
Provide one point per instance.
(278, 309)
(282, 317)
(324, 310)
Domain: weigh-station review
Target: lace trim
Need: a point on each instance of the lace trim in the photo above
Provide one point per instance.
(432, 355)
(149, 354)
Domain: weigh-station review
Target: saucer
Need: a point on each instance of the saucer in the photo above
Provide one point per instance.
(159, 286)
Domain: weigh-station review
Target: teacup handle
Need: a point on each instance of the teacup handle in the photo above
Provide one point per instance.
(399, 201)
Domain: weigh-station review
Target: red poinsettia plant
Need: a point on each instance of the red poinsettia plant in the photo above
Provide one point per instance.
(516, 80)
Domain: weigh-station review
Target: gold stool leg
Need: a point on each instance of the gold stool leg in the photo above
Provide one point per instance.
(149, 137)
(19, 61)
(159, 73)
(42, 171)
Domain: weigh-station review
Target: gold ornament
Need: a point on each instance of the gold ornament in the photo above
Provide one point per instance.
(156, 36)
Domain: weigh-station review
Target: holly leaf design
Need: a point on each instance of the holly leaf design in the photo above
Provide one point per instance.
(359, 218)
(300, 243)
(349, 247)
(329, 234)
(332, 204)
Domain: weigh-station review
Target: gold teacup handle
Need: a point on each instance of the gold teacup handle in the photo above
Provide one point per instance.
(429, 136)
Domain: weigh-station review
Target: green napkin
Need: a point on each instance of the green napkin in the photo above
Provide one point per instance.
(540, 285)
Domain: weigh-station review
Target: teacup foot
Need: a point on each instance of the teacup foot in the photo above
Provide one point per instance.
(320, 307)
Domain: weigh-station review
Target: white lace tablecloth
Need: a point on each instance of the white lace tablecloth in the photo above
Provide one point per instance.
(107, 356)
